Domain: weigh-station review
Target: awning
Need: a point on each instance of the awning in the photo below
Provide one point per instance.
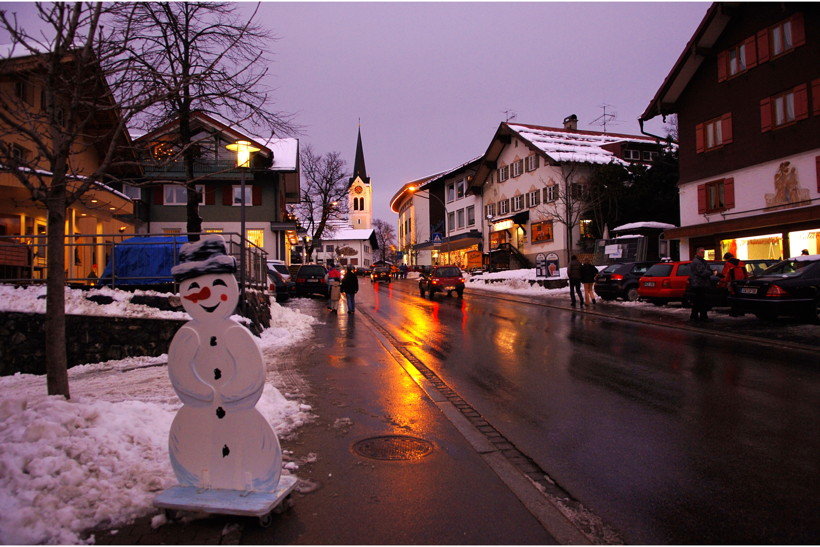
(521, 217)
(452, 243)
(766, 220)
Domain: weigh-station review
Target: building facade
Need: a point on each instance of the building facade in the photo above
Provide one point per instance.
(746, 91)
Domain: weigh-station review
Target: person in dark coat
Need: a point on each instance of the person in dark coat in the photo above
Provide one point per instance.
(574, 275)
(588, 273)
(700, 279)
(349, 287)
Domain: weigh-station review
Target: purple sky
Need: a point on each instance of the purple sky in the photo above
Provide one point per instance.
(432, 81)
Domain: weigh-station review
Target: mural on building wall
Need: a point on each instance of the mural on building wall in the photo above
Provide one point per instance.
(787, 190)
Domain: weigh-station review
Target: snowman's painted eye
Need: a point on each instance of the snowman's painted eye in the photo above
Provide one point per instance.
(219, 282)
(193, 285)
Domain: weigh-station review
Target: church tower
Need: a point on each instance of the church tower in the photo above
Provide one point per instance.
(360, 195)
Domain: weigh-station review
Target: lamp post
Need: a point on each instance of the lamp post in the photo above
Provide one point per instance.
(243, 150)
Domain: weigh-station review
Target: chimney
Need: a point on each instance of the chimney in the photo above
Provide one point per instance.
(571, 122)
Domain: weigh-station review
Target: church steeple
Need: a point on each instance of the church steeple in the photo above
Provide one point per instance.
(358, 165)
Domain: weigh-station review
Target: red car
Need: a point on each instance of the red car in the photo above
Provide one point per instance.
(442, 279)
(667, 281)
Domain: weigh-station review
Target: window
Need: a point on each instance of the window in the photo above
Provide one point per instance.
(213, 230)
(715, 196)
(533, 198)
(256, 236)
(518, 202)
(781, 37)
(713, 134)
(367, 248)
(451, 192)
(517, 168)
(737, 59)
(471, 215)
(489, 209)
(577, 191)
(541, 231)
(503, 207)
(133, 192)
(785, 108)
(551, 193)
(171, 230)
(237, 195)
(531, 163)
(329, 248)
(174, 194)
(451, 221)
(21, 90)
(503, 173)
(633, 155)
(18, 153)
(649, 156)
(460, 218)
(461, 187)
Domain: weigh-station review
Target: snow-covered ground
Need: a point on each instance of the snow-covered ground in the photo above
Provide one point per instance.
(100, 458)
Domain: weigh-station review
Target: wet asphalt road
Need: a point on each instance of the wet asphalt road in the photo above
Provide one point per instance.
(670, 436)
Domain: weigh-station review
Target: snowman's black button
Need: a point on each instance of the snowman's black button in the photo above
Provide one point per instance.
(213, 340)
(217, 374)
(220, 413)
(225, 451)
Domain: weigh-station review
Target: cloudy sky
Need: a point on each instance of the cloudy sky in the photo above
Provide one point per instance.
(432, 81)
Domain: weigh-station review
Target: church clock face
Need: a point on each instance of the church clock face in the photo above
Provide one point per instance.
(358, 190)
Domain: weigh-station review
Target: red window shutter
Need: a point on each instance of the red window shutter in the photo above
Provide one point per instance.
(227, 195)
(700, 143)
(751, 52)
(801, 102)
(157, 191)
(722, 65)
(815, 97)
(798, 30)
(763, 46)
(729, 193)
(701, 198)
(726, 127)
(765, 115)
(210, 194)
(256, 196)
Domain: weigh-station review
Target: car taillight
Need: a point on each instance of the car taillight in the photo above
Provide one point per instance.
(776, 292)
(301, 280)
(435, 281)
(666, 283)
(461, 280)
(616, 277)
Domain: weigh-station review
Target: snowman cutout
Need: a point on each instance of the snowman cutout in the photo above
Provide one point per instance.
(218, 439)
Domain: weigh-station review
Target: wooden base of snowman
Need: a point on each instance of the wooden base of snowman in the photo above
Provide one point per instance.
(225, 455)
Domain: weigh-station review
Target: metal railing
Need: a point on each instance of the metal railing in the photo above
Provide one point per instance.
(100, 259)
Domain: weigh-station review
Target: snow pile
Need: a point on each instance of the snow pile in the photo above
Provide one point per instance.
(99, 459)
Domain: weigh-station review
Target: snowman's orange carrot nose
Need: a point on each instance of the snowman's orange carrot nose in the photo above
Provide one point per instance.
(204, 294)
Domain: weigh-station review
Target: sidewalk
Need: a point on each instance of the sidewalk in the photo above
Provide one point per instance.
(360, 393)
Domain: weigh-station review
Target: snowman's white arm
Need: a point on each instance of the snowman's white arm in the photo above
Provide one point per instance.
(249, 376)
(181, 355)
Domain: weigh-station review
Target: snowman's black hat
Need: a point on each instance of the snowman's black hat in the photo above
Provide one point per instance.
(206, 256)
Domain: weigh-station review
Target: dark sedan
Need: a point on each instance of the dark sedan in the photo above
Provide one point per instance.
(310, 279)
(790, 287)
(620, 280)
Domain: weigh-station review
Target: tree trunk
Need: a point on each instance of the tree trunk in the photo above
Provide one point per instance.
(194, 220)
(55, 343)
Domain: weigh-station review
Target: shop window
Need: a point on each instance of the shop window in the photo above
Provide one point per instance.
(541, 231)
(713, 134)
(805, 239)
(498, 238)
(256, 237)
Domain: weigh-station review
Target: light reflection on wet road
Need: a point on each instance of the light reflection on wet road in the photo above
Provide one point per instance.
(669, 436)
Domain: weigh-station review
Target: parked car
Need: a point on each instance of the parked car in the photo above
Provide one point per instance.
(281, 288)
(310, 279)
(790, 287)
(442, 279)
(720, 295)
(381, 273)
(281, 267)
(620, 280)
(666, 282)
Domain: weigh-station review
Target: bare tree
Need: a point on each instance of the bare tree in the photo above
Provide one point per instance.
(208, 59)
(385, 236)
(324, 194)
(90, 88)
(571, 202)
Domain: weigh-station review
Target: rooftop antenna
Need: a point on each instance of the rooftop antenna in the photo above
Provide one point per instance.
(607, 118)
(510, 114)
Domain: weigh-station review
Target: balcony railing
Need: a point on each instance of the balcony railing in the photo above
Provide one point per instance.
(23, 260)
(223, 169)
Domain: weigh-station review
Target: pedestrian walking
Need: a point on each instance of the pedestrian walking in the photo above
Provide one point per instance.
(574, 275)
(700, 277)
(334, 280)
(588, 273)
(350, 286)
(403, 271)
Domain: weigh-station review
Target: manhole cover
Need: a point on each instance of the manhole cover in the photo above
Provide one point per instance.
(393, 448)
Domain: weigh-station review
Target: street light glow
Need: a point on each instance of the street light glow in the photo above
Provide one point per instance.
(243, 150)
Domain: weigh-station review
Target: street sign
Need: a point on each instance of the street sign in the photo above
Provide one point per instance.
(436, 237)
(540, 265)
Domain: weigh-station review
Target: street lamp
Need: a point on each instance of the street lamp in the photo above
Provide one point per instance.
(243, 150)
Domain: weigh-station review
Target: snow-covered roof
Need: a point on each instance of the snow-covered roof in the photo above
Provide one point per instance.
(285, 153)
(637, 225)
(564, 145)
(349, 234)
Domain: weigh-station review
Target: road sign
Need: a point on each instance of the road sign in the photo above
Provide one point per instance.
(436, 237)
